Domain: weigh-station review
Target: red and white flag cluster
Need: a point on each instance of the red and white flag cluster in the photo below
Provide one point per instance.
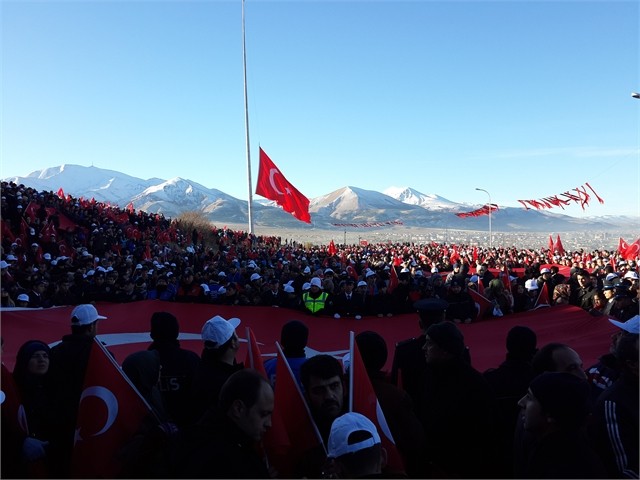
(485, 210)
(580, 196)
(629, 251)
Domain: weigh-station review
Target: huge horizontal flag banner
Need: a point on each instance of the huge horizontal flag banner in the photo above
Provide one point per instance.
(126, 330)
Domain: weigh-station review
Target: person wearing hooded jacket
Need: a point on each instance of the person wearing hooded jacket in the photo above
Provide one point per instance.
(179, 367)
(30, 374)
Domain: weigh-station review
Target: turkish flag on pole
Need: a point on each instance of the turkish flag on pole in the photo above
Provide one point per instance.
(393, 279)
(60, 193)
(483, 304)
(543, 297)
(110, 413)
(274, 186)
(558, 245)
(13, 414)
(332, 248)
(254, 355)
(632, 251)
(622, 246)
(299, 434)
(363, 400)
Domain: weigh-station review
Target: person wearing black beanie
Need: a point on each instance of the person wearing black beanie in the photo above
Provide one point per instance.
(178, 367)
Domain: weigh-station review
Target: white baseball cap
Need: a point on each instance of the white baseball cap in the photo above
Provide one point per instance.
(219, 330)
(315, 281)
(23, 297)
(255, 276)
(343, 427)
(631, 274)
(362, 283)
(531, 284)
(85, 314)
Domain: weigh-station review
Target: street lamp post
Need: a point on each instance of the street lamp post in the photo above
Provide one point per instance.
(490, 208)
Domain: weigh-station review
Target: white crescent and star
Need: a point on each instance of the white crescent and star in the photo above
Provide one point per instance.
(109, 400)
(272, 174)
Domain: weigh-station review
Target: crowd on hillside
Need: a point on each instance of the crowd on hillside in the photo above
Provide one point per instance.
(539, 414)
(60, 250)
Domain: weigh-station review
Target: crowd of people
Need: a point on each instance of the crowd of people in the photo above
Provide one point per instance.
(539, 414)
(59, 250)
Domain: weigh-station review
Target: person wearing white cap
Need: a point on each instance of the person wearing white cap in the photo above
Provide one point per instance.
(614, 428)
(69, 360)
(22, 300)
(217, 361)
(315, 301)
(354, 449)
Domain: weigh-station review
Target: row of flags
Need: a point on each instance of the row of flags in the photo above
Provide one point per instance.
(561, 200)
(111, 412)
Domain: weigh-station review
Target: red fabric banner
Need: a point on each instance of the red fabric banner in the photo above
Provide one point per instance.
(127, 327)
(273, 185)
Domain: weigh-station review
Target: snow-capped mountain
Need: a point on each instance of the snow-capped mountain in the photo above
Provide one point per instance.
(345, 205)
(430, 201)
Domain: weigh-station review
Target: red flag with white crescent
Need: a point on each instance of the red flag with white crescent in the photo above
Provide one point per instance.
(273, 185)
(110, 413)
(293, 432)
(483, 304)
(363, 400)
(543, 297)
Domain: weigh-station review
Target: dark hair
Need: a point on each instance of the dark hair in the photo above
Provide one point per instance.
(164, 326)
(360, 463)
(543, 360)
(320, 366)
(294, 336)
(243, 385)
(521, 343)
(373, 349)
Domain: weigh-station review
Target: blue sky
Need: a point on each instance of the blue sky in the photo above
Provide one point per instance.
(523, 99)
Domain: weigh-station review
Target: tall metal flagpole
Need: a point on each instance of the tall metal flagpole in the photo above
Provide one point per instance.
(246, 124)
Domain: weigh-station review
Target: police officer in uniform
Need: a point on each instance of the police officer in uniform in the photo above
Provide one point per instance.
(409, 364)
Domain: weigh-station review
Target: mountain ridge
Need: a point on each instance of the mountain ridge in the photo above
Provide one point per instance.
(349, 204)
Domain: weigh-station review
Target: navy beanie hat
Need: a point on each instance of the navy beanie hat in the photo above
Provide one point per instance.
(448, 337)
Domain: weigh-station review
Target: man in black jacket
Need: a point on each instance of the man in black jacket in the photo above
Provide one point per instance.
(223, 443)
(179, 367)
(68, 362)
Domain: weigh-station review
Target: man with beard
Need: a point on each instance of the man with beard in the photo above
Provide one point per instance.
(325, 394)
